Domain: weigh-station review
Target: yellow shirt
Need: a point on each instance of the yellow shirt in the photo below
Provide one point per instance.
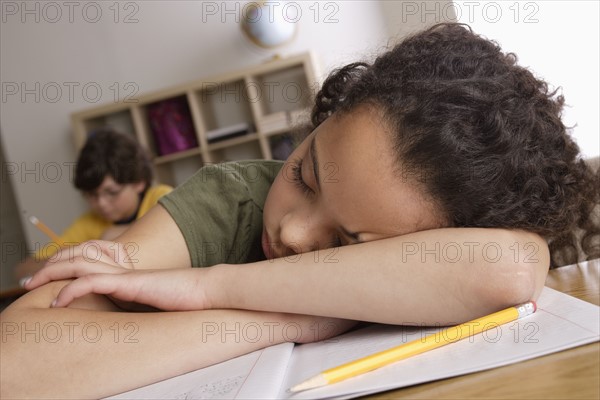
(90, 226)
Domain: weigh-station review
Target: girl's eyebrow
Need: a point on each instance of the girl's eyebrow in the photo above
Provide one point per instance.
(354, 236)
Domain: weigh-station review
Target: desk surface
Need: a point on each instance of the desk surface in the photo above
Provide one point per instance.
(572, 374)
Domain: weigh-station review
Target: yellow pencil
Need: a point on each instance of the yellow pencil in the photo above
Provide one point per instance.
(406, 350)
(49, 232)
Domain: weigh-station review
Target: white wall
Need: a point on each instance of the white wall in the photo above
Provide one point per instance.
(559, 41)
(404, 16)
(165, 43)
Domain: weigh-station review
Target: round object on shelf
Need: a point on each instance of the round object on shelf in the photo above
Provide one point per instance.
(267, 26)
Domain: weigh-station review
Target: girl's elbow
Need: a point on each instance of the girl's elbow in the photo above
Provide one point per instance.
(526, 276)
(526, 285)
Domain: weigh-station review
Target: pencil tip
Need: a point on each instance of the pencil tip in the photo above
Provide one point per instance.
(33, 220)
(312, 383)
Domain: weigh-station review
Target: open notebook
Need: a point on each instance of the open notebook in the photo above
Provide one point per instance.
(561, 322)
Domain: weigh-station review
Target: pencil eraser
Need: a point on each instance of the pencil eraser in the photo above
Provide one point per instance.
(534, 306)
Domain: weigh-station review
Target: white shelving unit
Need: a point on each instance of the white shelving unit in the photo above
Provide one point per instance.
(267, 99)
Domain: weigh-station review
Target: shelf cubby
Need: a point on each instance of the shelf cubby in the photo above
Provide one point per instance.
(224, 105)
(249, 150)
(176, 171)
(283, 90)
(281, 146)
(120, 120)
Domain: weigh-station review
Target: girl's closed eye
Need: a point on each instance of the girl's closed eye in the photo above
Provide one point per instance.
(297, 177)
(336, 240)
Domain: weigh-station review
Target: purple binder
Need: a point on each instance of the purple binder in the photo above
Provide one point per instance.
(172, 126)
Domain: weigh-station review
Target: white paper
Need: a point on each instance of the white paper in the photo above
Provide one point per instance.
(239, 378)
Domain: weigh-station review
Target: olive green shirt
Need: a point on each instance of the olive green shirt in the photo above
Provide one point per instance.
(219, 211)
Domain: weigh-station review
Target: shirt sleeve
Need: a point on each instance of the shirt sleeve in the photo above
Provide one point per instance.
(219, 215)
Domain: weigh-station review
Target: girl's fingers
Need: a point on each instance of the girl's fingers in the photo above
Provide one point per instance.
(94, 251)
(124, 287)
(75, 269)
(108, 284)
(173, 290)
(91, 250)
(96, 256)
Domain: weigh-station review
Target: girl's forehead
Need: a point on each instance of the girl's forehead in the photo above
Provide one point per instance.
(360, 184)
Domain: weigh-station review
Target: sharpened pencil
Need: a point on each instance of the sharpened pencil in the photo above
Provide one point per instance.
(406, 350)
(45, 229)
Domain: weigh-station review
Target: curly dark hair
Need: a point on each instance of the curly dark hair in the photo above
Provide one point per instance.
(482, 135)
(110, 153)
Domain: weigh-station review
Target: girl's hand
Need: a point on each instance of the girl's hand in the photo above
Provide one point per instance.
(171, 290)
(104, 267)
(96, 256)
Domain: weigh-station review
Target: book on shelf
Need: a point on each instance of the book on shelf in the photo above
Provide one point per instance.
(227, 132)
(561, 322)
(171, 125)
(274, 122)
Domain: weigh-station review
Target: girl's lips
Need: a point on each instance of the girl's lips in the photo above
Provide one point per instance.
(266, 245)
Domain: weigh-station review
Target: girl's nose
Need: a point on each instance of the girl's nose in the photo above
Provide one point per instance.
(300, 233)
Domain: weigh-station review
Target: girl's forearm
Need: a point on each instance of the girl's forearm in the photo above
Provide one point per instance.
(77, 353)
(430, 277)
